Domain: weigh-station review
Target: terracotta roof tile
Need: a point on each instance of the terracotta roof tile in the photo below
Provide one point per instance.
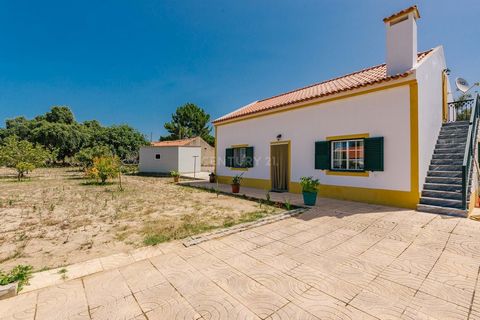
(413, 9)
(362, 78)
(172, 143)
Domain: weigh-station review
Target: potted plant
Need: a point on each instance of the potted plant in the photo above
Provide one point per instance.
(212, 177)
(309, 190)
(236, 183)
(175, 175)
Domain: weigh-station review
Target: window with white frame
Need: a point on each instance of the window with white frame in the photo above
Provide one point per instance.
(347, 155)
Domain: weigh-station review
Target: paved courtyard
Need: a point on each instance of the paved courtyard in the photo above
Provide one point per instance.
(339, 260)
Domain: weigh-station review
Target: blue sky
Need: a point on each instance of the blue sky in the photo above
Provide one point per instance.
(134, 62)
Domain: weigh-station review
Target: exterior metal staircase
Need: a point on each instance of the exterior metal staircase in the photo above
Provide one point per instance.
(448, 183)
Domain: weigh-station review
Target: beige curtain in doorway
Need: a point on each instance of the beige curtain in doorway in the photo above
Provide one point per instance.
(279, 166)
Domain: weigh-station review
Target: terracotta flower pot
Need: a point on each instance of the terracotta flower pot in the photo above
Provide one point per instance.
(175, 179)
(235, 188)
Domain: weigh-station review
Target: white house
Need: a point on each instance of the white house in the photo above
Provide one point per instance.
(368, 136)
(183, 156)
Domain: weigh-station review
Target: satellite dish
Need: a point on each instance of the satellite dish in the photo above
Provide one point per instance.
(462, 85)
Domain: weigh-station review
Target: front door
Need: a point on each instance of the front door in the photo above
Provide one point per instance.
(279, 166)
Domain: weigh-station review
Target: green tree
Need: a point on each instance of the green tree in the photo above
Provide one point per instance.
(124, 140)
(20, 127)
(68, 139)
(58, 131)
(22, 155)
(61, 114)
(189, 121)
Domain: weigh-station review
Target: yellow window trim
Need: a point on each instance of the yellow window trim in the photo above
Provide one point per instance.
(349, 136)
(239, 169)
(347, 173)
(239, 145)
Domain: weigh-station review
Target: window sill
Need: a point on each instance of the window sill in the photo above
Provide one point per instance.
(239, 169)
(348, 173)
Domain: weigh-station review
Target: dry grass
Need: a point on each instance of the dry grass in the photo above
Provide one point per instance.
(55, 218)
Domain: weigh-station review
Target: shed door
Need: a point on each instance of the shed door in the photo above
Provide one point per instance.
(279, 167)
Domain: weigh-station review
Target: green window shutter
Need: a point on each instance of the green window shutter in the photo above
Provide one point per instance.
(229, 157)
(322, 155)
(374, 154)
(250, 160)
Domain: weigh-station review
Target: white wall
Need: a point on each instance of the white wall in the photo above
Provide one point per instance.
(430, 107)
(186, 160)
(168, 159)
(382, 113)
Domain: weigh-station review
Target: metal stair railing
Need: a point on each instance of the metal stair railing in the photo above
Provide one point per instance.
(469, 150)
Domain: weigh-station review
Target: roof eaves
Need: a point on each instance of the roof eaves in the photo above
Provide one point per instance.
(358, 86)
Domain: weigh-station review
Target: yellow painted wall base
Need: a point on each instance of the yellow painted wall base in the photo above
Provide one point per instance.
(473, 201)
(402, 199)
(247, 182)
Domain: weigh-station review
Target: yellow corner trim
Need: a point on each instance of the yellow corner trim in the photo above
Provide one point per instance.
(239, 145)
(347, 173)
(216, 143)
(239, 169)
(414, 165)
(349, 136)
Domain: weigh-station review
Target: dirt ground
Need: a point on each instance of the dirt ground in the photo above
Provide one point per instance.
(56, 218)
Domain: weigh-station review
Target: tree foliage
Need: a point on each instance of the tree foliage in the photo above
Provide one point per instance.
(59, 132)
(189, 121)
(85, 156)
(22, 155)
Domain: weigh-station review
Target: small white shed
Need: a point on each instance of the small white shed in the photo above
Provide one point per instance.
(169, 156)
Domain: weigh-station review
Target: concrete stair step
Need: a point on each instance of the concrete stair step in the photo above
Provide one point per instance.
(448, 167)
(463, 127)
(460, 145)
(453, 162)
(452, 135)
(442, 210)
(446, 174)
(456, 123)
(443, 187)
(453, 141)
(444, 180)
(441, 202)
(457, 155)
(451, 150)
(442, 194)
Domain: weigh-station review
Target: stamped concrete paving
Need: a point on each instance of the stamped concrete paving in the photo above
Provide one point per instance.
(340, 260)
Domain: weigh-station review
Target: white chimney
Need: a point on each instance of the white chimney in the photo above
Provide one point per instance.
(402, 40)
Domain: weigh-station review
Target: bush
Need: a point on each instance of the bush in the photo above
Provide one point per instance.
(104, 168)
(20, 273)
